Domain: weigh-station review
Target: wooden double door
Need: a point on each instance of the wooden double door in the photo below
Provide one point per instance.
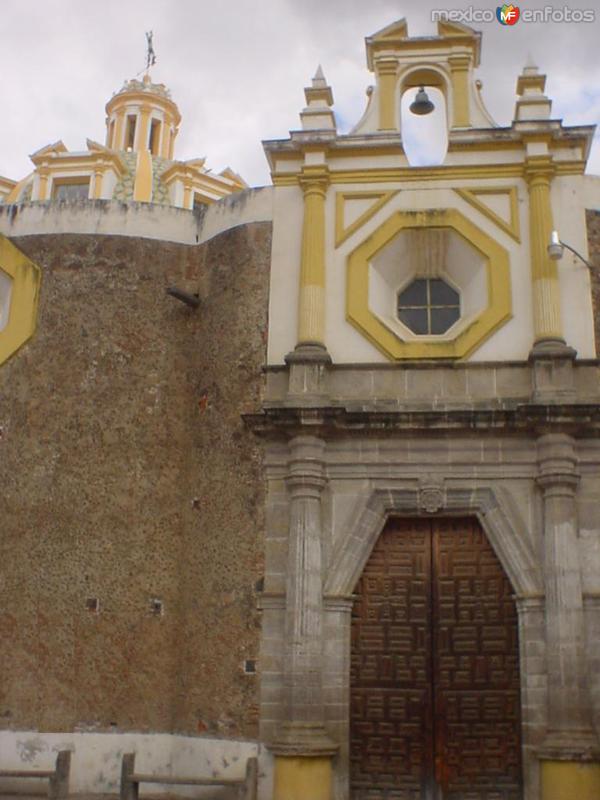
(435, 706)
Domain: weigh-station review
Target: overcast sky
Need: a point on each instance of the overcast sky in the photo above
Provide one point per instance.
(237, 69)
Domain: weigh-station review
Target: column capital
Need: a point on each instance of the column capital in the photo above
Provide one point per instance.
(386, 65)
(557, 463)
(306, 469)
(459, 61)
(539, 170)
(314, 179)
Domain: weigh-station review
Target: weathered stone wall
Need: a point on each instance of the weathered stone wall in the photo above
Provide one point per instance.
(127, 475)
(593, 227)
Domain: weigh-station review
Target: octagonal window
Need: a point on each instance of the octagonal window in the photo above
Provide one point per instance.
(428, 306)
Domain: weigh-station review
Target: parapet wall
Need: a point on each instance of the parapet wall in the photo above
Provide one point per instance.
(148, 220)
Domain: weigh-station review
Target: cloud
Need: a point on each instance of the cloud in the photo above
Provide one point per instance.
(237, 70)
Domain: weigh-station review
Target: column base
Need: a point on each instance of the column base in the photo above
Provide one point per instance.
(570, 766)
(303, 778)
(569, 780)
(552, 366)
(303, 755)
(307, 383)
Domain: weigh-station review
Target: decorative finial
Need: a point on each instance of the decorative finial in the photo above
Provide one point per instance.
(150, 54)
(319, 81)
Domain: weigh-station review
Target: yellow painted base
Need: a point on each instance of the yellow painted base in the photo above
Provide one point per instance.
(570, 780)
(303, 778)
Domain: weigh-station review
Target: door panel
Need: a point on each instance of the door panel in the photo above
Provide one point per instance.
(434, 668)
(391, 732)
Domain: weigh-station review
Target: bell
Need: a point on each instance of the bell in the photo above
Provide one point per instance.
(421, 105)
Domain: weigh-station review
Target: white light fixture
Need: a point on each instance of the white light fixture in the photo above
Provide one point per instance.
(557, 246)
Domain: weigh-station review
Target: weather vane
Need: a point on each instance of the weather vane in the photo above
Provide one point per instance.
(150, 54)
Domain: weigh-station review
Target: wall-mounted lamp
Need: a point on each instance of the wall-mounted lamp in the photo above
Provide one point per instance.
(556, 249)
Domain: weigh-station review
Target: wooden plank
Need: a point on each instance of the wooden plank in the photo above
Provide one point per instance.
(23, 773)
(147, 778)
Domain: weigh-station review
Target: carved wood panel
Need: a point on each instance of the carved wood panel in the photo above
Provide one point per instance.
(434, 668)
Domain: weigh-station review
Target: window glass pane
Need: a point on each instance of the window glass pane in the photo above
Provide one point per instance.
(415, 319)
(71, 191)
(414, 295)
(442, 294)
(443, 318)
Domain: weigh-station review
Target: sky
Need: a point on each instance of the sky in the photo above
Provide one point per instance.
(237, 69)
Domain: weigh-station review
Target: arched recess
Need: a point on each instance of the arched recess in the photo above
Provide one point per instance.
(511, 546)
(425, 138)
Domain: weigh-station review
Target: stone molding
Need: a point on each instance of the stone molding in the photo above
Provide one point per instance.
(510, 545)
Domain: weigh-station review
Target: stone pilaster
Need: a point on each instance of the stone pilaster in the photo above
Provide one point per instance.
(302, 749)
(570, 741)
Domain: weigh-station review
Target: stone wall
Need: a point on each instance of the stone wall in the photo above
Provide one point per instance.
(593, 226)
(127, 477)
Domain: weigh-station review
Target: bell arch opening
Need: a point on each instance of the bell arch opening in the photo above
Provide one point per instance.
(424, 134)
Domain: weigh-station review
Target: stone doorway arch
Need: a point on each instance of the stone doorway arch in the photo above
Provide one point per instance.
(512, 547)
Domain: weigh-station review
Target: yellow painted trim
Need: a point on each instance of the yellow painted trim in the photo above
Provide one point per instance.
(142, 190)
(459, 73)
(298, 778)
(498, 311)
(44, 174)
(387, 72)
(570, 780)
(98, 177)
(341, 232)
(22, 315)
(14, 195)
(411, 174)
(125, 100)
(513, 228)
(143, 129)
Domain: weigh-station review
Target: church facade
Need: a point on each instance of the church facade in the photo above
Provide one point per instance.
(340, 511)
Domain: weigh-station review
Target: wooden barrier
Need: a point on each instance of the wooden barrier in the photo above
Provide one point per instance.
(130, 780)
(58, 778)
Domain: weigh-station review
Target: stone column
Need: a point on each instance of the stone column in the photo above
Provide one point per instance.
(570, 758)
(303, 750)
(98, 176)
(144, 127)
(544, 271)
(311, 306)
(118, 142)
(310, 357)
(44, 174)
(551, 359)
